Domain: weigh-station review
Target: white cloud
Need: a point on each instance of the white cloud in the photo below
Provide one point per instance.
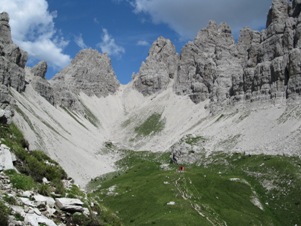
(80, 42)
(109, 46)
(33, 30)
(142, 43)
(187, 17)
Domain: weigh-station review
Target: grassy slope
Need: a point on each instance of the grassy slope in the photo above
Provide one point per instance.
(153, 124)
(204, 194)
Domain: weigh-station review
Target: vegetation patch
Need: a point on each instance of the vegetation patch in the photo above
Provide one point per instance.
(153, 124)
(4, 212)
(20, 181)
(218, 190)
(34, 165)
(192, 140)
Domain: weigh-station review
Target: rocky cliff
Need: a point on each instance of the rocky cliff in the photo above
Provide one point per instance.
(159, 68)
(260, 66)
(12, 74)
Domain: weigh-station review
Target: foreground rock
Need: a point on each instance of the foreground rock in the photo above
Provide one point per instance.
(6, 158)
(69, 205)
(35, 209)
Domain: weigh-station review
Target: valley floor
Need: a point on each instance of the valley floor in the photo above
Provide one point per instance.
(220, 189)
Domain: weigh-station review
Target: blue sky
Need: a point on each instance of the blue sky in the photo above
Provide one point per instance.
(56, 30)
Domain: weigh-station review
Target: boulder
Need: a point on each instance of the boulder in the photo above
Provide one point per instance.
(36, 220)
(6, 157)
(69, 204)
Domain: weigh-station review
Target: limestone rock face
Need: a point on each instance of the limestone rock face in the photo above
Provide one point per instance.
(90, 72)
(261, 66)
(12, 58)
(40, 84)
(40, 69)
(12, 63)
(209, 66)
(5, 32)
(159, 68)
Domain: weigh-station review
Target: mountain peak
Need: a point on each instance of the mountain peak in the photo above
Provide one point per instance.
(159, 68)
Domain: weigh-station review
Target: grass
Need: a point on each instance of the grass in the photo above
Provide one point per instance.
(153, 124)
(34, 165)
(192, 140)
(4, 211)
(20, 181)
(217, 190)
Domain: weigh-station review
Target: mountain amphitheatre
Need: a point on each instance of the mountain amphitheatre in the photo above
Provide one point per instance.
(225, 96)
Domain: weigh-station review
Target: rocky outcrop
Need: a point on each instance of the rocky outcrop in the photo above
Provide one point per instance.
(159, 68)
(6, 158)
(6, 112)
(187, 150)
(39, 82)
(261, 66)
(5, 32)
(90, 72)
(40, 69)
(12, 63)
(209, 66)
(69, 205)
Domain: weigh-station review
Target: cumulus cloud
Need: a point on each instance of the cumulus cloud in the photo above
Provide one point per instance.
(109, 46)
(187, 17)
(33, 30)
(142, 43)
(80, 42)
